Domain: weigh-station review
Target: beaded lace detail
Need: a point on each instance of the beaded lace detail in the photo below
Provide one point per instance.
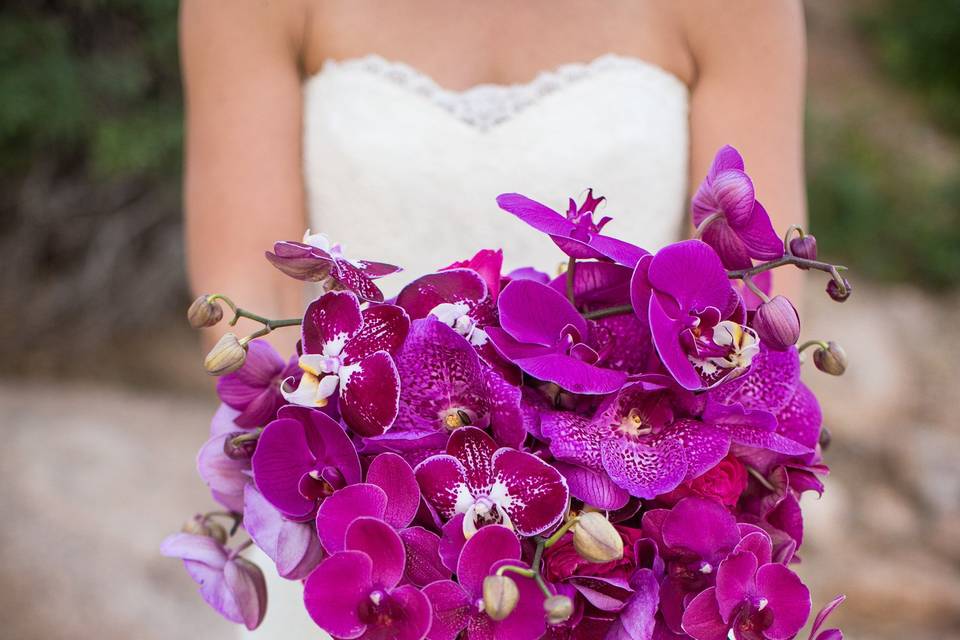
(486, 105)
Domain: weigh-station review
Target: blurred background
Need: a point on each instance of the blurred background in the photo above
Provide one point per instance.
(103, 401)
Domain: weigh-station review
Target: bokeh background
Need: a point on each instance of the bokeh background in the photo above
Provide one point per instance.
(103, 402)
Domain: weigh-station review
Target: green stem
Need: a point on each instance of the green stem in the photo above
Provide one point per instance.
(571, 279)
(760, 478)
(512, 568)
(812, 343)
(267, 322)
(609, 311)
(786, 237)
(555, 538)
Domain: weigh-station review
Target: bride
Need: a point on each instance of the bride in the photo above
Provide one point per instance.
(392, 126)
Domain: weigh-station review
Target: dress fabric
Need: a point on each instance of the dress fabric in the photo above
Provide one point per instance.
(398, 169)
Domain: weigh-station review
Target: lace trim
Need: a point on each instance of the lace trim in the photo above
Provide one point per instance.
(486, 105)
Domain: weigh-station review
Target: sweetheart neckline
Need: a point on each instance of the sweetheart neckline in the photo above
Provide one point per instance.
(485, 105)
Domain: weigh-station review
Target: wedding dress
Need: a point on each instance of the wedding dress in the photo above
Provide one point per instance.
(401, 170)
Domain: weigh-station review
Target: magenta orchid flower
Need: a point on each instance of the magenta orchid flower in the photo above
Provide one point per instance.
(576, 234)
(356, 592)
(317, 260)
(492, 486)
(696, 318)
(225, 476)
(623, 340)
(302, 457)
(693, 539)
(635, 439)
(254, 389)
(390, 493)
(458, 607)
(229, 583)
(350, 351)
(542, 333)
(459, 298)
(489, 264)
(445, 386)
(740, 229)
(293, 546)
(754, 598)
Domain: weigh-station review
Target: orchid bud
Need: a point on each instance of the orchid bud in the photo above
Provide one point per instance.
(559, 609)
(837, 292)
(204, 313)
(832, 359)
(200, 526)
(227, 356)
(805, 247)
(240, 445)
(595, 539)
(825, 438)
(500, 596)
(777, 323)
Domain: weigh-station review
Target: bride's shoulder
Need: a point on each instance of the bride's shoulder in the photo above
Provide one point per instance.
(240, 25)
(758, 30)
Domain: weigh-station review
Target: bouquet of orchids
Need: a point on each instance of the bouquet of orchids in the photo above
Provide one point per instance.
(616, 452)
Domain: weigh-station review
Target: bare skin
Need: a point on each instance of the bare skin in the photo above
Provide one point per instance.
(244, 61)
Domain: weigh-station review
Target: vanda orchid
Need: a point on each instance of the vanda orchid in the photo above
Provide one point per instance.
(617, 452)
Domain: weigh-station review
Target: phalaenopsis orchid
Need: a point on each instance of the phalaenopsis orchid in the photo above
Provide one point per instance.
(617, 452)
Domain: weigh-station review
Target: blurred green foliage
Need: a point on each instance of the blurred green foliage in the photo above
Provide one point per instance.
(891, 220)
(92, 83)
(918, 42)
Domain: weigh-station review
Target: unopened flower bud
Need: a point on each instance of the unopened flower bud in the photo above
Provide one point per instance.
(825, 438)
(777, 323)
(837, 292)
(204, 313)
(500, 596)
(832, 359)
(559, 609)
(240, 445)
(200, 526)
(805, 247)
(595, 539)
(227, 356)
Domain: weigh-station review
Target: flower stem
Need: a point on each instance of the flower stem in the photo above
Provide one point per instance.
(571, 279)
(702, 227)
(555, 538)
(511, 568)
(786, 237)
(787, 259)
(747, 280)
(608, 311)
(266, 322)
(760, 478)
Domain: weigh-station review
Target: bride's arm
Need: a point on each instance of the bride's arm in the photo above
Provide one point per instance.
(243, 186)
(750, 58)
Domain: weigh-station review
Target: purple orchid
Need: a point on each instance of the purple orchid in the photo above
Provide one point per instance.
(546, 337)
(636, 440)
(293, 546)
(225, 476)
(740, 228)
(351, 351)
(696, 318)
(693, 538)
(445, 385)
(390, 493)
(576, 234)
(623, 340)
(317, 260)
(254, 389)
(459, 298)
(230, 584)
(302, 457)
(459, 607)
(754, 598)
(491, 485)
(356, 592)
(826, 634)
(489, 264)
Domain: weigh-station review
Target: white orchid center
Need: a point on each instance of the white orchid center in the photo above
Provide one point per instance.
(456, 316)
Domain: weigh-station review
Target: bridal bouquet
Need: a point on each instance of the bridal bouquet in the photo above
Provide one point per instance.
(616, 452)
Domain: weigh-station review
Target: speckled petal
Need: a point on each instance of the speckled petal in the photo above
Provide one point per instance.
(370, 394)
(538, 494)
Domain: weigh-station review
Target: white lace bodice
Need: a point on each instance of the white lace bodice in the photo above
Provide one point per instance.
(401, 170)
